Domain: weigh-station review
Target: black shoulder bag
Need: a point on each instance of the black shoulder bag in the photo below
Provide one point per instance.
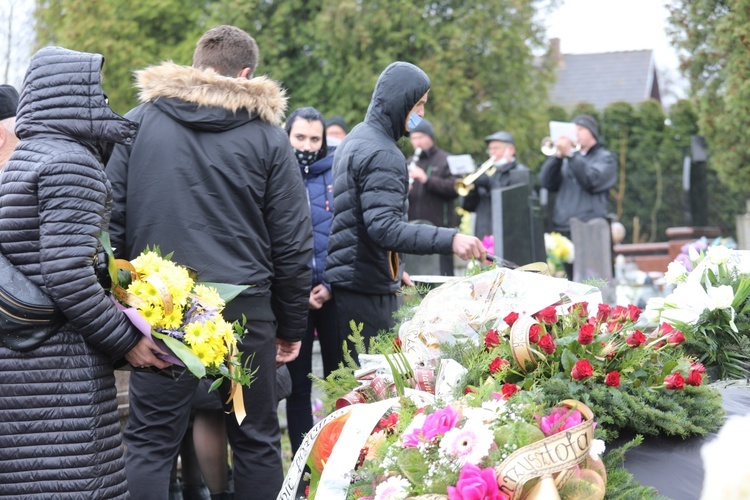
(28, 316)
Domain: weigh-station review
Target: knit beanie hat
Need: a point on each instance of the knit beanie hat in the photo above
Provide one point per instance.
(425, 127)
(337, 120)
(8, 101)
(590, 123)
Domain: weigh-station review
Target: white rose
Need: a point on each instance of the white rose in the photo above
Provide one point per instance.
(597, 448)
(718, 254)
(676, 273)
(720, 297)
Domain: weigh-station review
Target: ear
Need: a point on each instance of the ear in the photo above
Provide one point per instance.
(246, 73)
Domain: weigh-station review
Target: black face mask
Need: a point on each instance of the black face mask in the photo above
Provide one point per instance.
(306, 158)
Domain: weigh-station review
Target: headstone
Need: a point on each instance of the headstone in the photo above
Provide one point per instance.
(517, 225)
(422, 265)
(592, 241)
(743, 228)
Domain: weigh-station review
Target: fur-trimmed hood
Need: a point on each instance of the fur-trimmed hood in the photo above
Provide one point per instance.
(260, 96)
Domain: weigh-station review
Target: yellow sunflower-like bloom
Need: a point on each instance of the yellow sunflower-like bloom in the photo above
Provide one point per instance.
(173, 320)
(195, 333)
(148, 263)
(153, 314)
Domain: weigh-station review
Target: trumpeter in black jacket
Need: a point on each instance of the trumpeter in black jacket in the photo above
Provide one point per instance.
(60, 433)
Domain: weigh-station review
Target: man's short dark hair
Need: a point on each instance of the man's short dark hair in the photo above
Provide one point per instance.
(226, 49)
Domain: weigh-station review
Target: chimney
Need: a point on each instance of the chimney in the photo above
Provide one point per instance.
(554, 51)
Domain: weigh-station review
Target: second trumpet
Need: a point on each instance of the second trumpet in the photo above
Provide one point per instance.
(464, 186)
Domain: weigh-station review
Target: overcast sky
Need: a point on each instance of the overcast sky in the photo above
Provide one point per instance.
(586, 26)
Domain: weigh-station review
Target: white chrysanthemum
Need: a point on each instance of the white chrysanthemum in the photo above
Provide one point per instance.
(468, 444)
(394, 488)
(718, 254)
(495, 406)
(727, 476)
(720, 297)
(676, 273)
(597, 448)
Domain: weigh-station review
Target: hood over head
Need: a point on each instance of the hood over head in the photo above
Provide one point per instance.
(62, 94)
(399, 88)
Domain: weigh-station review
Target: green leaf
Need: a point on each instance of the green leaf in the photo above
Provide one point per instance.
(227, 291)
(107, 245)
(183, 352)
(568, 360)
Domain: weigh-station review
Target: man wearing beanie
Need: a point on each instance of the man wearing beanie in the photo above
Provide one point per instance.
(582, 179)
(431, 195)
(8, 105)
(509, 172)
(336, 130)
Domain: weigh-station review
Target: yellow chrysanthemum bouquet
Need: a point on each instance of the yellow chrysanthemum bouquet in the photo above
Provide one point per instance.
(165, 302)
(560, 251)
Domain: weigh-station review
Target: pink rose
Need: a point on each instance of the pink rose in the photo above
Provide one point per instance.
(476, 484)
(559, 420)
(435, 424)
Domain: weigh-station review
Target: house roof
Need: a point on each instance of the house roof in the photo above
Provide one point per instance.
(603, 78)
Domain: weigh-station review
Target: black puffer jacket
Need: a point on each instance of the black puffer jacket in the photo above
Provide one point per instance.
(370, 186)
(211, 177)
(60, 433)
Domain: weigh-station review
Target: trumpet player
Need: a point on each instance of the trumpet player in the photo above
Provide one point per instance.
(582, 179)
(500, 147)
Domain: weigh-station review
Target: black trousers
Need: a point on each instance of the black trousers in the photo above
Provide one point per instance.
(375, 312)
(160, 411)
(298, 406)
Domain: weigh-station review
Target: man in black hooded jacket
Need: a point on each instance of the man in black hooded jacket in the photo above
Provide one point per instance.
(370, 187)
(211, 177)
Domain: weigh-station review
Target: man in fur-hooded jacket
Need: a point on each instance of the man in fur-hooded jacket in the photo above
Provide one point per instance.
(211, 177)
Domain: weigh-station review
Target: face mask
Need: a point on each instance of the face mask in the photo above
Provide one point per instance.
(414, 120)
(501, 162)
(305, 158)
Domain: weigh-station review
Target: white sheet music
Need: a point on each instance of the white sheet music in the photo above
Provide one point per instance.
(559, 129)
(461, 164)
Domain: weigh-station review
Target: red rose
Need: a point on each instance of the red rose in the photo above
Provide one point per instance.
(694, 378)
(635, 339)
(614, 326)
(469, 390)
(603, 313)
(675, 381)
(698, 367)
(612, 379)
(534, 332)
(511, 318)
(497, 365)
(492, 339)
(582, 369)
(586, 334)
(508, 390)
(676, 338)
(659, 345)
(619, 313)
(547, 343)
(397, 343)
(665, 329)
(634, 312)
(580, 309)
(547, 315)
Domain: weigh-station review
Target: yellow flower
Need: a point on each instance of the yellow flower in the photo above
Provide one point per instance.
(209, 296)
(195, 333)
(154, 315)
(173, 320)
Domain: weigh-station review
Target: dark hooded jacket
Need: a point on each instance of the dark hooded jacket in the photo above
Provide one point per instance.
(211, 177)
(370, 187)
(58, 410)
(582, 184)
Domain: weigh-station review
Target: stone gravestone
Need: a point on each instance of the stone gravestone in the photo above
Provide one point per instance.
(517, 225)
(593, 249)
(422, 265)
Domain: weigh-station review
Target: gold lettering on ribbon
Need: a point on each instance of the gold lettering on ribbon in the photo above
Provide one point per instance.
(551, 455)
(519, 341)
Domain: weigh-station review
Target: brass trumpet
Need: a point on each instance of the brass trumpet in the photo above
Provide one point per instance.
(549, 147)
(464, 186)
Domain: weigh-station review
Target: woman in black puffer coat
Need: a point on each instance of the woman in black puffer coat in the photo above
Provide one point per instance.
(59, 430)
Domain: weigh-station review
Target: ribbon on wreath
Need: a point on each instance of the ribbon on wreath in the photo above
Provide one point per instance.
(519, 342)
(380, 388)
